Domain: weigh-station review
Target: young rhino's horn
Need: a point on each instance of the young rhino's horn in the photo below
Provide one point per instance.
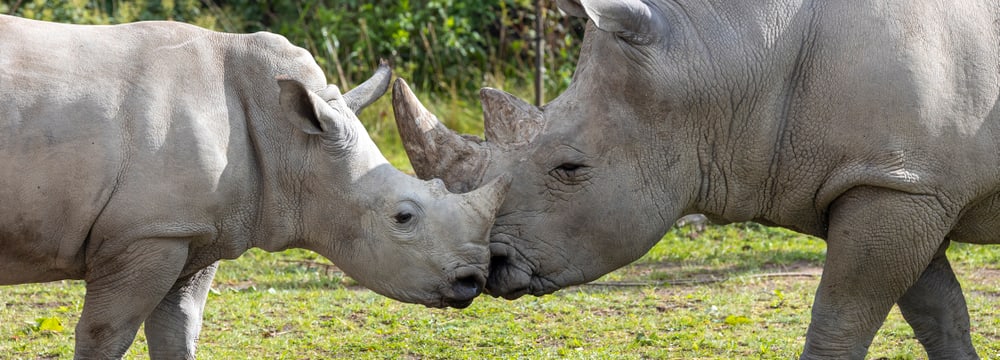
(509, 121)
(486, 200)
(434, 150)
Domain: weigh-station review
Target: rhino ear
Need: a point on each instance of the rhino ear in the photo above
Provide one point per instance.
(369, 91)
(617, 16)
(305, 109)
(572, 8)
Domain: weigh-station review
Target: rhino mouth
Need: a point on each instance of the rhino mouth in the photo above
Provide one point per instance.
(513, 275)
(507, 277)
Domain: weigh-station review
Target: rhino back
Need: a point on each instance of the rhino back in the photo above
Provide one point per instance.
(124, 132)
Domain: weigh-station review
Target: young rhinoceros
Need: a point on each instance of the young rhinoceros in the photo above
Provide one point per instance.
(136, 156)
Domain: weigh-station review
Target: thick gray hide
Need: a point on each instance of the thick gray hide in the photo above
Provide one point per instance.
(872, 124)
(136, 156)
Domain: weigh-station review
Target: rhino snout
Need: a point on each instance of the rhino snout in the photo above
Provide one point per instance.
(468, 284)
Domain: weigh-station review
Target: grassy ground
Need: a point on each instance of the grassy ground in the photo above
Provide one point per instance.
(732, 292)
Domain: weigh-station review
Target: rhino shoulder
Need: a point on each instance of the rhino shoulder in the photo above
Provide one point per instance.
(284, 58)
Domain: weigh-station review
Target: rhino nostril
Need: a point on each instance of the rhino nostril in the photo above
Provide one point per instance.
(497, 262)
(466, 288)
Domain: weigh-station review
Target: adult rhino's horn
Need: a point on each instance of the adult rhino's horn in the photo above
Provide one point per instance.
(509, 120)
(435, 151)
(370, 90)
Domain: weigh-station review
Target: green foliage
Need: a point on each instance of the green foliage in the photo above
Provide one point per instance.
(113, 12)
(450, 47)
(51, 324)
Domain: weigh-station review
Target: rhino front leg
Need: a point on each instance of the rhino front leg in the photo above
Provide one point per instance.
(122, 292)
(935, 308)
(879, 242)
(172, 329)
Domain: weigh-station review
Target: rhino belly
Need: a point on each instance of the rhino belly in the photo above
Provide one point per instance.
(54, 183)
(980, 223)
(44, 226)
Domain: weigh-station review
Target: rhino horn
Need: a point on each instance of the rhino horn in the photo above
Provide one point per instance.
(435, 151)
(370, 90)
(509, 120)
(486, 200)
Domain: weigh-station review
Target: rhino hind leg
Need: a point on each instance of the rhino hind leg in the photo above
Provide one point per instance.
(935, 307)
(122, 292)
(879, 243)
(173, 327)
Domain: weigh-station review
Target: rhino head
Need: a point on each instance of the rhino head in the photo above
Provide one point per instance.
(578, 206)
(405, 238)
(599, 174)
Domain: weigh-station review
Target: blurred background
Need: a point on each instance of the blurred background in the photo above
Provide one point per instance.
(446, 49)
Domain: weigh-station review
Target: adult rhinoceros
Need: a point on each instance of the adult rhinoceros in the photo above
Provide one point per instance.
(872, 124)
(136, 156)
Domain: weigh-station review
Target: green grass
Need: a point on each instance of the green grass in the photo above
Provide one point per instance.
(729, 292)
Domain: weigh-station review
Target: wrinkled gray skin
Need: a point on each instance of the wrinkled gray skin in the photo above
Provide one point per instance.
(136, 156)
(871, 124)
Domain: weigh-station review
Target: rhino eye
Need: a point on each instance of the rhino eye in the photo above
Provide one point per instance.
(402, 217)
(571, 173)
(634, 38)
(569, 167)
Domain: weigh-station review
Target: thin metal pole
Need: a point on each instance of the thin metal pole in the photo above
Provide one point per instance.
(539, 53)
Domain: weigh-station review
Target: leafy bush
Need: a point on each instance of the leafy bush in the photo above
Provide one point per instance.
(449, 47)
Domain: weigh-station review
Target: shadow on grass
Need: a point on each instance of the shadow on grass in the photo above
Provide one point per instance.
(687, 256)
(682, 257)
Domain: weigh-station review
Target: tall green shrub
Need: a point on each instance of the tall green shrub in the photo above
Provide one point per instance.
(450, 47)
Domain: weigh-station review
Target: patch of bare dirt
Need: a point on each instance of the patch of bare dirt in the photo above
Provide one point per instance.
(985, 282)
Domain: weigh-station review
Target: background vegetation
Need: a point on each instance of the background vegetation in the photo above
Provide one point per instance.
(440, 46)
(728, 292)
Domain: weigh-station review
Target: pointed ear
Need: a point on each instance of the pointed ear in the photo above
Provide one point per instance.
(617, 16)
(572, 8)
(305, 109)
(369, 91)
